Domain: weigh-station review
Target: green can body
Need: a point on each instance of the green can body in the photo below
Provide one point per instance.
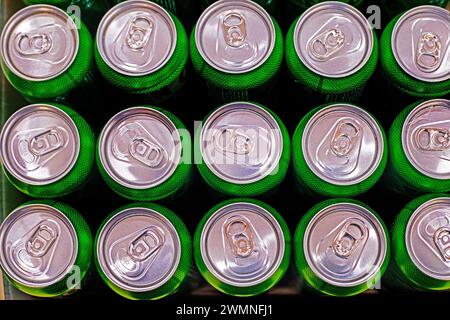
(403, 273)
(391, 8)
(180, 273)
(78, 174)
(402, 174)
(304, 267)
(74, 278)
(243, 289)
(172, 186)
(252, 188)
(309, 180)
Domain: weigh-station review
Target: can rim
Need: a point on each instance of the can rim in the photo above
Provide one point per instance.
(407, 239)
(379, 229)
(271, 120)
(269, 217)
(109, 16)
(253, 6)
(427, 8)
(10, 219)
(9, 125)
(121, 216)
(109, 126)
(23, 11)
(406, 149)
(348, 8)
(369, 119)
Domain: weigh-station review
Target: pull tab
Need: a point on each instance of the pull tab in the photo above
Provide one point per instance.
(41, 241)
(247, 252)
(139, 31)
(432, 139)
(344, 138)
(353, 234)
(46, 142)
(145, 152)
(429, 52)
(234, 29)
(233, 141)
(325, 44)
(134, 254)
(442, 241)
(29, 44)
(145, 245)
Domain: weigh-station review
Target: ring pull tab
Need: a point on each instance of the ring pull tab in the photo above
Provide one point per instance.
(233, 141)
(442, 242)
(352, 235)
(240, 237)
(325, 44)
(429, 52)
(139, 31)
(41, 241)
(28, 44)
(147, 153)
(146, 244)
(235, 32)
(45, 143)
(345, 138)
(432, 139)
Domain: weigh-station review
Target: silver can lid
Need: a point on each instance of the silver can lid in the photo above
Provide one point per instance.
(136, 38)
(342, 144)
(345, 245)
(427, 238)
(138, 249)
(421, 43)
(140, 148)
(242, 244)
(241, 143)
(235, 36)
(333, 39)
(38, 245)
(426, 138)
(39, 42)
(40, 144)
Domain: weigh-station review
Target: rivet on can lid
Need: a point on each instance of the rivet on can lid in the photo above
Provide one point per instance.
(241, 143)
(345, 244)
(140, 148)
(242, 244)
(136, 38)
(138, 249)
(39, 42)
(333, 39)
(235, 36)
(40, 144)
(426, 138)
(38, 245)
(342, 144)
(427, 238)
(421, 43)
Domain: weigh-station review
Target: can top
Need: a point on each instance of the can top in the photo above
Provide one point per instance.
(138, 249)
(40, 144)
(242, 244)
(235, 36)
(342, 144)
(39, 42)
(333, 39)
(345, 244)
(241, 143)
(427, 238)
(421, 43)
(136, 38)
(140, 148)
(426, 138)
(38, 245)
